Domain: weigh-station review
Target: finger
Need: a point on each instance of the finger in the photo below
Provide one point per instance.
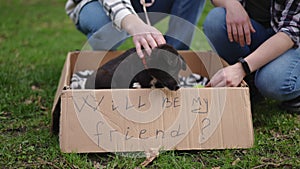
(139, 50)
(208, 84)
(214, 81)
(220, 83)
(146, 46)
(159, 38)
(229, 33)
(247, 34)
(251, 27)
(241, 36)
(234, 33)
(216, 84)
(219, 79)
(151, 41)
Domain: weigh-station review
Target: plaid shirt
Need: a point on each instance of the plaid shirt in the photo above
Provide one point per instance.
(115, 9)
(285, 17)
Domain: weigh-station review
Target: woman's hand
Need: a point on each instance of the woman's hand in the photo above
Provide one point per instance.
(144, 35)
(230, 76)
(239, 27)
(147, 37)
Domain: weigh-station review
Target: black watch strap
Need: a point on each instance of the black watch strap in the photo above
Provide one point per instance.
(245, 66)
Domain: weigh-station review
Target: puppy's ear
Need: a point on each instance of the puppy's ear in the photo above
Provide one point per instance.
(171, 49)
(168, 47)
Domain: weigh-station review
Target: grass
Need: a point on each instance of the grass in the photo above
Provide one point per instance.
(35, 36)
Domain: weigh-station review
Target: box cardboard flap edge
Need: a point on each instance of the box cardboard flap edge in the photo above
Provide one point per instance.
(65, 119)
(65, 77)
(62, 84)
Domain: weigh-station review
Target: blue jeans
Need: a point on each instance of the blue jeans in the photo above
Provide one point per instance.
(279, 79)
(185, 14)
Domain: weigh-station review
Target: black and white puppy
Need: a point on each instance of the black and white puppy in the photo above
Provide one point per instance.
(159, 70)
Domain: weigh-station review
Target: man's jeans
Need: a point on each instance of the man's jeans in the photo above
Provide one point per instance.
(94, 23)
(279, 79)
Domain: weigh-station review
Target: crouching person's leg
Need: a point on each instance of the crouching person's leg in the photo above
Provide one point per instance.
(98, 28)
(185, 15)
(280, 80)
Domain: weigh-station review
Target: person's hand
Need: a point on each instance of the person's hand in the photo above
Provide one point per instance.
(230, 76)
(147, 37)
(239, 27)
(144, 35)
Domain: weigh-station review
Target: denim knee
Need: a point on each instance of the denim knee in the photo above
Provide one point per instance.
(214, 22)
(279, 79)
(276, 89)
(269, 89)
(92, 17)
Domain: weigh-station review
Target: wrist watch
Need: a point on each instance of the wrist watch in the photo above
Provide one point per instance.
(245, 65)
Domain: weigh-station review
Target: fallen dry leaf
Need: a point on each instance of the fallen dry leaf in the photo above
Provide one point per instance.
(236, 161)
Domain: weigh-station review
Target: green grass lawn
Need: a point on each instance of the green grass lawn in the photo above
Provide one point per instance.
(35, 37)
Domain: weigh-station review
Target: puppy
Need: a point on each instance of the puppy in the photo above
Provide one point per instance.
(159, 70)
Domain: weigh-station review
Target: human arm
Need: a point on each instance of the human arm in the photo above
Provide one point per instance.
(287, 19)
(124, 17)
(287, 36)
(238, 22)
(272, 48)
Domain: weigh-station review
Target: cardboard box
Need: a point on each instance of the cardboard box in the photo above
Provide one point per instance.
(126, 120)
